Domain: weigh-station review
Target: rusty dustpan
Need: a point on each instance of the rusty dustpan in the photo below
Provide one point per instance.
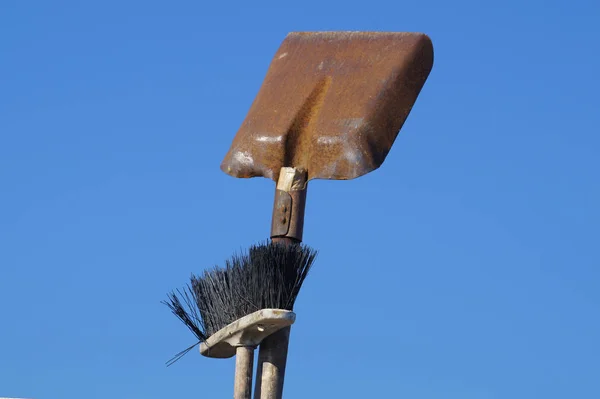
(330, 107)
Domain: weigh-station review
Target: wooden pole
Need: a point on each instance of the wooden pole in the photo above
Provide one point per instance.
(244, 362)
(287, 227)
(270, 371)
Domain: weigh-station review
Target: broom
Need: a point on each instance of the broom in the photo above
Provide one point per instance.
(268, 276)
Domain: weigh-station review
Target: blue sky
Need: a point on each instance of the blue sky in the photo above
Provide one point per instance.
(465, 267)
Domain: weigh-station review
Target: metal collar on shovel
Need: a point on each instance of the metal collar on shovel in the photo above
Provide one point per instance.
(330, 107)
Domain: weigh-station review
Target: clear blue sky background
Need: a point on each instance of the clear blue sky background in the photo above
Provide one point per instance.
(466, 267)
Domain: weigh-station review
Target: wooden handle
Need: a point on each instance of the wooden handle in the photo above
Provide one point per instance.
(244, 362)
(287, 227)
(272, 359)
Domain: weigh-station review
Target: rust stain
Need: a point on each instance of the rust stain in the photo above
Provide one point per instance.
(332, 103)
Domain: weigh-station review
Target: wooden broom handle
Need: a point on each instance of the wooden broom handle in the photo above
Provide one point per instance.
(244, 362)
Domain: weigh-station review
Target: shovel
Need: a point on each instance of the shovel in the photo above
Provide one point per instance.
(330, 107)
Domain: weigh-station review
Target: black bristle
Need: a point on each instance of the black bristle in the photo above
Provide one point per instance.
(268, 276)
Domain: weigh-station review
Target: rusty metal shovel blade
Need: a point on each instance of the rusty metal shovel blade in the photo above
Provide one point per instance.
(332, 104)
